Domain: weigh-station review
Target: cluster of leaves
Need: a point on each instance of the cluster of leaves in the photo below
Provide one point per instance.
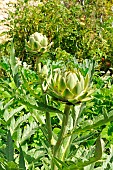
(23, 121)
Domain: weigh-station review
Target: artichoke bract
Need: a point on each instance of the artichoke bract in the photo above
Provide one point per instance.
(70, 87)
(37, 42)
(42, 71)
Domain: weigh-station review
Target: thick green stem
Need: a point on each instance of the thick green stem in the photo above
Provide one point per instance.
(48, 120)
(70, 138)
(61, 135)
(48, 125)
(37, 63)
(63, 130)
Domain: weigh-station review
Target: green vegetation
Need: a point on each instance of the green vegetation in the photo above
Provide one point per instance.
(56, 86)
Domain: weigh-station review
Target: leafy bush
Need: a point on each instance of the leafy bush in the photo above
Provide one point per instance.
(72, 26)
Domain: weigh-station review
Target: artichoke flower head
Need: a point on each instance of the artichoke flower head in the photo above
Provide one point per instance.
(37, 43)
(69, 86)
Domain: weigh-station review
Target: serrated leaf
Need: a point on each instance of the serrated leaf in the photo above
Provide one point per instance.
(12, 125)
(84, 138)
(8, 104)
(9, 148)
(21, 160)
(18, 137)
(59, 163)
(28, 131)
(21, 119)
(7, 115)
(98, 148)
(41, 107)
(38, 117)
(17, 79)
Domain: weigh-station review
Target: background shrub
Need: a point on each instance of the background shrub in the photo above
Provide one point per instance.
(81, 28)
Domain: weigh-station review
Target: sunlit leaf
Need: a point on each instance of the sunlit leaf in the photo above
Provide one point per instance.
(9, 148)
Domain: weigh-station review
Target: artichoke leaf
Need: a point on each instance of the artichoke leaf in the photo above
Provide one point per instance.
(37, 45)
(81, 80)
(74, 90)
(82, 95)
(86, 82)
(62, 85)
(56, 96)
(44, 42)
(79, 88)
(31, 41)
(70, 81)
(67, 94)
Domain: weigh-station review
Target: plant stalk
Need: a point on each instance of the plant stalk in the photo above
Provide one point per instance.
(48, 118)
(37, 63)
(48, 125)
(48, 121)
(63, 130)
(70, 138)
(61, 135)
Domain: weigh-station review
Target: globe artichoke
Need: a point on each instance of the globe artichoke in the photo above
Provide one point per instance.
(70, 87)
(37, 42)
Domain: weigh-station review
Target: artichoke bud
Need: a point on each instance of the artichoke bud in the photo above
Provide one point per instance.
(74, 91)
(69, 86)
(37, 42)
(75, 77)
